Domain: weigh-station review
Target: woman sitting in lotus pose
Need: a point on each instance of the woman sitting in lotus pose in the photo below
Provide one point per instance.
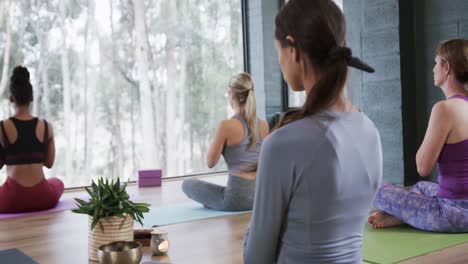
(430, 206)
(239, 140)
(26, 145)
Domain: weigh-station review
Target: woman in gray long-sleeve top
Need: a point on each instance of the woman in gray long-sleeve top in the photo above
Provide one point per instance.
(318, 172)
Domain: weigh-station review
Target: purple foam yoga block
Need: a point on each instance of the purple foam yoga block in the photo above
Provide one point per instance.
(149, 178)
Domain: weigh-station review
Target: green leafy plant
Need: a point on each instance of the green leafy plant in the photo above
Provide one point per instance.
(109, 199)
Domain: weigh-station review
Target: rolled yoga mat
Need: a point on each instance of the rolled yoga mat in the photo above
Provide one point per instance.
(395, 244)
(179, 213)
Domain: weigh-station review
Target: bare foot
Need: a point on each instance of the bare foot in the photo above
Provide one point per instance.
(381, 219)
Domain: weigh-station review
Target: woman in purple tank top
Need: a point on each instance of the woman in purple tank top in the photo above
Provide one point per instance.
(441, 207)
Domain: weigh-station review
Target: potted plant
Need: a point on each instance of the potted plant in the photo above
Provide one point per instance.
(111, 214)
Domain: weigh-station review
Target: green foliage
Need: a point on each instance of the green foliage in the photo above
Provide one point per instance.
(201, 40)
(109, 199)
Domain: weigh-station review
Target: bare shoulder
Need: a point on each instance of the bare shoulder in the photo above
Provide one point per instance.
(264, 123)
(264, 127)
(49, 127)
(41, 125)
(442, 113)
(9, 129)
(453, 110)
(448, 108)
(441, 108)
(228, 125)
(455, 104)
(8, 124)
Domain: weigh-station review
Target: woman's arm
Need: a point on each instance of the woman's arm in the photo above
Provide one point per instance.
(50, 148)
(2, 156)
(2, 153)
(273, 189)
(217, 145)
(265, 130)
(436, 135)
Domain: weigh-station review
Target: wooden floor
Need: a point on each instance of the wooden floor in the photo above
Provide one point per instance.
(62, 237)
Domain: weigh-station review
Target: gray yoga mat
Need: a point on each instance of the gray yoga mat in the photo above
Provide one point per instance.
(15, 256)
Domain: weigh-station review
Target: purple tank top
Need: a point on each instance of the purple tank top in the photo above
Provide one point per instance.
(453, 168)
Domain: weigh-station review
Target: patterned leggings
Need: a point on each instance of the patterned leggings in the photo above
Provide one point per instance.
(421, 208)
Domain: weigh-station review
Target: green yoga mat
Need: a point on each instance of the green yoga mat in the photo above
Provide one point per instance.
(179, 213)
(392, 245)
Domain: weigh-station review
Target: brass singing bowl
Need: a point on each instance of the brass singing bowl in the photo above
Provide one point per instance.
(120, 252)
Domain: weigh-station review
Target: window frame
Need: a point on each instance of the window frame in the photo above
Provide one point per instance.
(245, 35)
(284, 86)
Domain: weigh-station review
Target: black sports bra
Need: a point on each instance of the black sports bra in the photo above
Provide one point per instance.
(27, 149)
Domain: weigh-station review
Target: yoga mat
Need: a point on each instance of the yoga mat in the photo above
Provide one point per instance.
(63, 204)
(179, 213)
(14, 256)
(392, 245)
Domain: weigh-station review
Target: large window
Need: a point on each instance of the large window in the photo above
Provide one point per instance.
(126, 84)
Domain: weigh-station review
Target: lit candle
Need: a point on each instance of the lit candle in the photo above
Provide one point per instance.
(164, 246)
(159, 242)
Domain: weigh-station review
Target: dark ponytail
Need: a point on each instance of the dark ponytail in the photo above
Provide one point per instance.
(319, 30)
(20, 87)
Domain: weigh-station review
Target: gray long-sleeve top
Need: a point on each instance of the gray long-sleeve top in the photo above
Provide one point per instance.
(316, 179)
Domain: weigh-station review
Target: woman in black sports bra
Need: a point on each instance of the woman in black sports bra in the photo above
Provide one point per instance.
(26, 145)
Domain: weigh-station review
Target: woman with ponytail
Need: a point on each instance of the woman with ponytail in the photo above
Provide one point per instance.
(26, 145)
(239, 140)
(319, 170)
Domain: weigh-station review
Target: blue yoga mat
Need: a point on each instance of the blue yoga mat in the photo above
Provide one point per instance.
(14, 256)
(179, 213)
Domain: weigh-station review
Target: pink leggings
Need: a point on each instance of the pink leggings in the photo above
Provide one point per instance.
(15, 198)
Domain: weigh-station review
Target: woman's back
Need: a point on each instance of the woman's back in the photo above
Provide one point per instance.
(24, 149)
(237, 152)
(336, 183)
(457, 109)
(336, 166)
(453, 158)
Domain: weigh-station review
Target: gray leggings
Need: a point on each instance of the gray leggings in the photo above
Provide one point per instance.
(236, 196)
